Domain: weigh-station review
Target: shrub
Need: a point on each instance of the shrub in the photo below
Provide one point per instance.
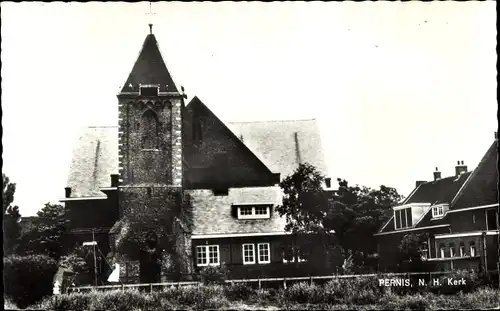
(238, 291)
(198, 297)
(73, 301)
(28, 279)
(303, 292)
(414, 302)
(359, 290)
(471, 278)
(213, 274)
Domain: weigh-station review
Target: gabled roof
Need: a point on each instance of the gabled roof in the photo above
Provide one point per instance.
(215, 215)
(482, 186)
(150, 68)
(439, 191)
(94, 159)
(281, 145)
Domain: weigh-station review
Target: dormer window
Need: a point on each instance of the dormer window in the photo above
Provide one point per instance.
(254, 212)
(402, 218)
(437, 211)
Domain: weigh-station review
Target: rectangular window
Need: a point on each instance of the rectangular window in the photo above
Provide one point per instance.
(207, 255)
(491, 215)
(248, 254)
(264, 253)
(254, 212)
(403, 218)
(437, 211)
(288, 255)
(244, 211)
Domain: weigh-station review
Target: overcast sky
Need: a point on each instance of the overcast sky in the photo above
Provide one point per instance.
(398, 88)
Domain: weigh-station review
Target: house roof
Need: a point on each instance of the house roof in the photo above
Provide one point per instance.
(215, 215)
(94, 159)
(439, 191)
(482, 186)
(150, 68)
(282, 145)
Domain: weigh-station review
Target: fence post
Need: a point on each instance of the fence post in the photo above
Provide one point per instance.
(150, 288)
(311, 280)
(284, 283)
(260, 285)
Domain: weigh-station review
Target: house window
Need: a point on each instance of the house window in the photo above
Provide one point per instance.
(462, 249)
(403, 218)
(441, 250)
(254, 212)
(491, 216)
(207, 255)
(248, 254)
(472, 249)
(437, 211)
(264, 253)
(452, 250)
(290, 254)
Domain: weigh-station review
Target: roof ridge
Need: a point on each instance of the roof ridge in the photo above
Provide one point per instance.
(268, 121)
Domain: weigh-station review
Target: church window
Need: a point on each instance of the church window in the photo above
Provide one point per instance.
(472, 249)
(149, 130)
(197, 130)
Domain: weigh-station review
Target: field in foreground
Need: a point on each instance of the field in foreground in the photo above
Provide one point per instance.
(297, 297)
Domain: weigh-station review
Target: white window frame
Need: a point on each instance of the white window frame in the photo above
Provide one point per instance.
(253, 215)
(437, 211)
(206, 249)
(441, 251)
(252, 262)
(401, 219)
(268, 253)
(462, 250)
(452, 251)
(472, 249)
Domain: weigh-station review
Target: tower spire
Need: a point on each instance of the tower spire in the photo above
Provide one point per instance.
(150, 18)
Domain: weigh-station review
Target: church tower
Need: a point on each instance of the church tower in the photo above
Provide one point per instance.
(150, 109)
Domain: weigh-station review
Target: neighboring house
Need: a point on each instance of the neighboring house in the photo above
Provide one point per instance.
(459, 213)
(229, 171)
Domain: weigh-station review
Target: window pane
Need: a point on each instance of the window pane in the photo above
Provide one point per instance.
(408, 217)
(213, 254)
(403, 218)
(245, 211)
(260, 210)
(264, 252)
(397, 216)
(201, 255)
(248, 253)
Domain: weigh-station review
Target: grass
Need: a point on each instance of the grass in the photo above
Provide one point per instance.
(297, 297)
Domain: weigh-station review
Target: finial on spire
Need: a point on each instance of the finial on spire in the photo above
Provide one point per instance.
(150, 19)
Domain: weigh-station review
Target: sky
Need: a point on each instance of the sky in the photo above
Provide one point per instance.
(397, 88)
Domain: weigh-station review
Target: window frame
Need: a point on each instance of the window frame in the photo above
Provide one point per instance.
(461, 250)
(398, 215)
(268, 253)
(452, 251)
(253, 214)
(206, 249)
(442, 252)
(243, 253)
(437, 211)
(472, 250)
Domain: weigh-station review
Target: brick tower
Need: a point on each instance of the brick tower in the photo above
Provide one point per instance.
(150, 156)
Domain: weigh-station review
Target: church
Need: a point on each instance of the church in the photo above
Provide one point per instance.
(163, 146)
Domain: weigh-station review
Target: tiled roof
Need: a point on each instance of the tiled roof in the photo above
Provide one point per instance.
(150, 68)
(282, 144)
(94, 159)
(439, 191)
(482, 186)
(215, 215)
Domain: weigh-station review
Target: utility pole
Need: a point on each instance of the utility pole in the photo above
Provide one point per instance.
(95, 261)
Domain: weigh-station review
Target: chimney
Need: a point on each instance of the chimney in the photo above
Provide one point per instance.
(419, 182)
(437, 174)
(67, 191)
(328, 182)
(114, 180)
(460, 168)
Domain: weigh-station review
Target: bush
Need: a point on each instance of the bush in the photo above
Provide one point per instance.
(28, 279)
(361, 290)
(198, 297)
(117, 300)
(471, 278)
(305, 293)
(213, 274)
(238, 291)
(73, 301)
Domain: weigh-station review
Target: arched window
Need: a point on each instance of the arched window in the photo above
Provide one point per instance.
(149, 130)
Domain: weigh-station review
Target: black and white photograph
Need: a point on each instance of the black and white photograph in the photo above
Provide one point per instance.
(250, 155)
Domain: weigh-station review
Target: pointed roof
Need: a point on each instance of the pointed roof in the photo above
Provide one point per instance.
(150, 68)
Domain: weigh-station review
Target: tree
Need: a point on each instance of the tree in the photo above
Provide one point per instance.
(356, 214)
(412, 250)
(46, 237)
(11, 217)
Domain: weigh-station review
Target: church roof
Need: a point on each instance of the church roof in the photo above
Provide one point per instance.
(282, 145)
(217, 215)
(150, 68)
(94, 159)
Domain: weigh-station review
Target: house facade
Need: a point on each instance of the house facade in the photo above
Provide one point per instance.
(229, 171)
(459, 214)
